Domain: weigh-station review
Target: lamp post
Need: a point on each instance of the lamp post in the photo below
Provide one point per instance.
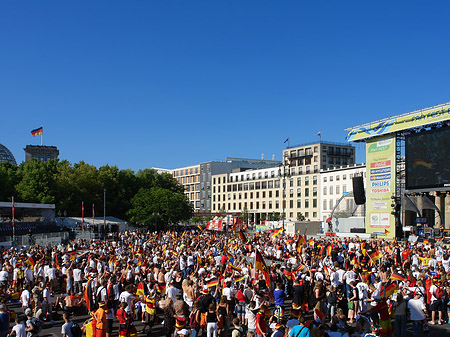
(283, 173)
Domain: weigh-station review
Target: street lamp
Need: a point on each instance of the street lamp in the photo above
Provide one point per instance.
(284, 172)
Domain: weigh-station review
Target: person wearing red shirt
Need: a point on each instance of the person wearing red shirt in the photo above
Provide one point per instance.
(261, 325)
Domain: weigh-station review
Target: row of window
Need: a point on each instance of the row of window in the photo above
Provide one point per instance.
(238, 206)
(344, 176)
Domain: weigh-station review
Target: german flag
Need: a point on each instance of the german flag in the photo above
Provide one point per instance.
(266, 278)
(162, 288)
(386, 232)
(329, 249)
(300, 268)
(30, 261)
(426, 241)
(242, 236)
(238, 278)
(301, 240)
(213, 283)
(200, 227)
(288, 274)
(88, 294)
(276, 232)
(376, 255)
(140, 289)
(37, 132)
(389, 289)
(398, 277)
(311, 242)
(259, 261)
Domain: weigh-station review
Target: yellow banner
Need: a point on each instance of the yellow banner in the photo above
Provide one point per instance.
(422, 117)
(380, 186)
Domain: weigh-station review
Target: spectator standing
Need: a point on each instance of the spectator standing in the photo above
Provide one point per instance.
(66, 327)
(4, 320)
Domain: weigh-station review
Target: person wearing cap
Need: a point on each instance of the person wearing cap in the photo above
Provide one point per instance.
(100, 317)
(278, 330)
(301, 330)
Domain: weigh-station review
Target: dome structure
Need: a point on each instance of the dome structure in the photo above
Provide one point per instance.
(6, 155)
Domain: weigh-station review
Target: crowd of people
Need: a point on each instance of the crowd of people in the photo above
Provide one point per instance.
(197, 282)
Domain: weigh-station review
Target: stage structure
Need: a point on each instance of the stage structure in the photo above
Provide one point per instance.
(406, 159)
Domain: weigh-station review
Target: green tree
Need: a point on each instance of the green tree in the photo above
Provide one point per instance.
(300, 217)
(244, 215)
(158, 207)
(37, 182)
(8, 179)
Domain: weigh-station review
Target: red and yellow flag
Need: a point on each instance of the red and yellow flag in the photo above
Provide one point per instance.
(259, 261)
(277, 232)
(376, 255)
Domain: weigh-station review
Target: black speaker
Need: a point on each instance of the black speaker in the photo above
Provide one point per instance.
(358, 190)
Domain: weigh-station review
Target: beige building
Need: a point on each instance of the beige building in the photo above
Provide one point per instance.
(260, 191)
(189, 178)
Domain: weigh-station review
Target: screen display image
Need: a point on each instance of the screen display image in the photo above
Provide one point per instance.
(428, 159)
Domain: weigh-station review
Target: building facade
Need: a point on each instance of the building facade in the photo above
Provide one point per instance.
(336, 183)
(41, 152)
(197, 179)
(292, 188)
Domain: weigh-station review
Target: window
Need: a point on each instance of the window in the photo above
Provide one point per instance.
(277, 204)
(314, 214)
(270, 204)
(300, 170)
(306, 181)
(257, 194)
(324, 205)
(314, 191)
(299, 203)
(324, 190)
(308, 169)
(316, 149)
(306, 203)
(324, 179)
(270, 194)
(299, 181)
(264, 205)
(314, 180)
(291, 182)
(306, 215)
(331, 178)
(306, 192)
(277, 184)
(337, 190)
(331, 204)
(344, 188)
(291, 203)
(291, 193)
(344, 177)
(316, 159)
(299, 192)
(316, 168)
(314, 203)
(331, 190)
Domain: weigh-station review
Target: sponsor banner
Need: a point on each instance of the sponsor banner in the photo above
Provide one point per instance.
(381, 177)
(380, 184)
(412, 120)
(381, 170)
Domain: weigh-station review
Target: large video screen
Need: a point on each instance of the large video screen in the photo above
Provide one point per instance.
(428, 159)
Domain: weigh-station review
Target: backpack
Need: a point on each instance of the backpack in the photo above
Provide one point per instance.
(439, 293)
(98, 296)
(76, 330)
(37, 325)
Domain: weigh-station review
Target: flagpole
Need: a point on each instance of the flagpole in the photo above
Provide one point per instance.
(13, 229)
(42, 135)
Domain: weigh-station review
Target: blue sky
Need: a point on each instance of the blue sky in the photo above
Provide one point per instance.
(142, 84)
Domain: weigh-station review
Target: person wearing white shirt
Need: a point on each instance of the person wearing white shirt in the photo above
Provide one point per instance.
(77, 279)
(436, 304)
(417, 311)
(25, 298)
(18, 330)
(3, 277)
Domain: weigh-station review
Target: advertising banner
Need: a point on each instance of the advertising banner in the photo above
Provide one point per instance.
(380, 185)
(403, 122)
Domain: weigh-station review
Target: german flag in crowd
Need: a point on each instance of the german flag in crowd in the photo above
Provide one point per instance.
(238, 278)
(213, 283)
(376, 255)
(242, 236)
(301, 240)
(276, 232)
(398, 277)
(259, 261)
(30, 261)
(389, 289)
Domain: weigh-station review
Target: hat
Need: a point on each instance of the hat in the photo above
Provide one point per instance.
(28, 312)
(102, 304)
(205, 290)
(183, 332)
